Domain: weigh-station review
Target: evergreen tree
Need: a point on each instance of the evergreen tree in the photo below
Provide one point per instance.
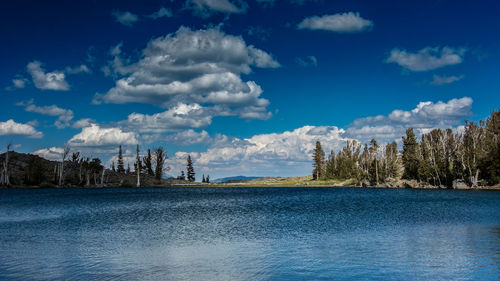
(113, 166)
(490, 163)
(319, 159)
(121, 168)
(348, 161)
(138, 167)
(148, 163)
(203, 178)
(182, 176)
(95, 168)
(411, 155)
(75, 156)
(392, 166)
(190, 170)
(207, 179)
(330, 166)
(160, 158)
(128, 168)
(374, 176)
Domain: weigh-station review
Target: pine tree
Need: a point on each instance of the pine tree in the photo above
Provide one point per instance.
(203, 178)
(392, 161)
(190, 170)
(182, 176)
(120, 168)
(490, 163)
(374, 177)
(319, 159)
(330, 166)
(128, 168)
(148, 163)
(138, 167)
(113, 166)
(160, 158)
(411, 155)
(207, 179)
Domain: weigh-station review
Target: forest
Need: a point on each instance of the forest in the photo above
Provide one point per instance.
(74, 169)
(442, 157)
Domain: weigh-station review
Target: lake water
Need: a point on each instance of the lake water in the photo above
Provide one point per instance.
(294, 233)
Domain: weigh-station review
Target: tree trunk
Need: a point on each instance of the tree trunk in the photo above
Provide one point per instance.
(6, 166)
(87, 176)
(61, 172)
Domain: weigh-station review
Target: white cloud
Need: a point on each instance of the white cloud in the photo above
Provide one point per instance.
(95, 136)
(126, 18)
(78, 69)
(205, 8)
(341, 23)
(427, 58)
(12, 128)
(53, 153)
(82, 123)
(19, 83)
(442, 80)
(64, 115)
(162, 12)
(259, 32)
(307, 61)
(286, 153)
(47, 81)
(178, 117)
(118, 65)
(424, 117)
(189, 137)
(195, 68)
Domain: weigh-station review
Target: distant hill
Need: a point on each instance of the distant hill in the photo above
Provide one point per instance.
(236, 178)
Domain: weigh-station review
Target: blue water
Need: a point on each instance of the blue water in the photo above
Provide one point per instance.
(240, 233)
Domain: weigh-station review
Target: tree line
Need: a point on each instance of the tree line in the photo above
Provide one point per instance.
(75, 169)
(440, 158)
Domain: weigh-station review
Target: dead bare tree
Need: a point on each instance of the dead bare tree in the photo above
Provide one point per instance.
(5, 175)
(138, 167)
(61, 170)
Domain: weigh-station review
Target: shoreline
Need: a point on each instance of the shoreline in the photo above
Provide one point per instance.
(259, 185)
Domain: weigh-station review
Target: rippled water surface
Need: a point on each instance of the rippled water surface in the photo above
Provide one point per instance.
(249, 234)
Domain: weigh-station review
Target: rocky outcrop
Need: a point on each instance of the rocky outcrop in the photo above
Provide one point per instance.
(460, 184)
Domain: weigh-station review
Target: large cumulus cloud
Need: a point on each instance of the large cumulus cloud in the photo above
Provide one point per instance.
(193, 67)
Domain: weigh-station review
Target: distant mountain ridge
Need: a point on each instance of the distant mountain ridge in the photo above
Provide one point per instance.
(236, 178)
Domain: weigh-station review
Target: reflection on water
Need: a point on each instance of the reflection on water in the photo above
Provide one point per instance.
(249, 234)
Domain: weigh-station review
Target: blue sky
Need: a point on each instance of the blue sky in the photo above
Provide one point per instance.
(245, 87)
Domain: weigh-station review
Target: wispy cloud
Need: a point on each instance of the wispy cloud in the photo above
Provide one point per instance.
(307, 61)
(64, 115)
(206, 8)
(341, 23)
(428, 58)
(161, 13)
(126, 18)
(442, 80)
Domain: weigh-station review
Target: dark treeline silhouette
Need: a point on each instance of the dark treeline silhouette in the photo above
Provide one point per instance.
(74, 169)
(442, 157)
